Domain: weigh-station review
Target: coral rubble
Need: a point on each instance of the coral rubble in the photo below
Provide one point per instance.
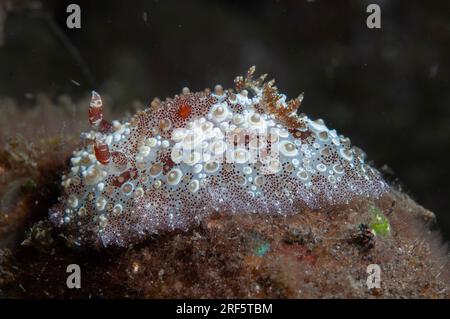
(314, 253)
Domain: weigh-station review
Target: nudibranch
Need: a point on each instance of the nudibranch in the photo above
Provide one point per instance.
(239, 151)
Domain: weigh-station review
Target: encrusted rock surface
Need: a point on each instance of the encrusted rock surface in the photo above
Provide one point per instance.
(312, 254)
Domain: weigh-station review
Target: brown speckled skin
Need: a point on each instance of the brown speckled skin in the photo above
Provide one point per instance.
(116, 201)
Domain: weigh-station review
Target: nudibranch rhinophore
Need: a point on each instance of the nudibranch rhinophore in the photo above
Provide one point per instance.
(239, 151)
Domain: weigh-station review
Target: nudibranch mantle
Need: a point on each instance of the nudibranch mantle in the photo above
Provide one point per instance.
(172, 164)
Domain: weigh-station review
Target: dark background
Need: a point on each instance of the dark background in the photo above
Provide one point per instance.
(388, 89)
